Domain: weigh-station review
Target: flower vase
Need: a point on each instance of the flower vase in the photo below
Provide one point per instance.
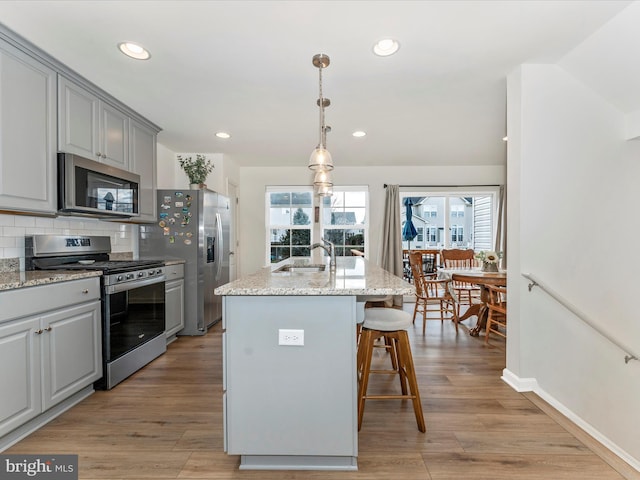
(197, 186)
(489, 267)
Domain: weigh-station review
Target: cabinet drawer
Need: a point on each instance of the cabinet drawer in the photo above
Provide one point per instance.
(174, 272)
(33, 300)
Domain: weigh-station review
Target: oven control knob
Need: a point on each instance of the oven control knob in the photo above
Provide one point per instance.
(140, 274)
(159, 271)
(119, 278)
(129, 276)
(152, 272)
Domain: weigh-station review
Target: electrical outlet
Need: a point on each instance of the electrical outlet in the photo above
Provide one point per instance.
(290, 337)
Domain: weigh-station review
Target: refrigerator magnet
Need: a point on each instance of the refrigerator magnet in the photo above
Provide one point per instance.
(167, 199)
(171, 220)
(164, 215)
(179, 194)
(187, 241)
(172, 239)
(188, 198)
(179, 204)
(166, 231)
(162, 223)
(189, 234)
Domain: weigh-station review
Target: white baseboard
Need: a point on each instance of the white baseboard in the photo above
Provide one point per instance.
(531, 385)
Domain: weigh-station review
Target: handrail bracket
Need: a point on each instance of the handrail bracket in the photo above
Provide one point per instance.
(532, 284)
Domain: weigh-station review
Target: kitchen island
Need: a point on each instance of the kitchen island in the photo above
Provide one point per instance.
(289, 347)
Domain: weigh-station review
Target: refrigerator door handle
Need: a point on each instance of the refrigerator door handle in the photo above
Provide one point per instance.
(220, 244)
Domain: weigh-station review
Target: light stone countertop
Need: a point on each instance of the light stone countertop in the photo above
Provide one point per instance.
(353, 276)
(22, 279)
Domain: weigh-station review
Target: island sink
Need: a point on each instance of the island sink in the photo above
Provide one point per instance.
(301, 268)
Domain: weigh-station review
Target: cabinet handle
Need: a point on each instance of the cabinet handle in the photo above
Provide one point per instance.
(38, 332)
(98, 154)
(104, 156)
(48, 329)
(85, 291)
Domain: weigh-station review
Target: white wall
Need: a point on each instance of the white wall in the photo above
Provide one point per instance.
(170, 175)
(573, 189)
(253, 182)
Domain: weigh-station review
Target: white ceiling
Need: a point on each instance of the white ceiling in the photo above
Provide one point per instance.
(245, 67)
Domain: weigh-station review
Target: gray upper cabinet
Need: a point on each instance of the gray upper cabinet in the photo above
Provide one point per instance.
(142, 160)
(27, 133)
(89, 127)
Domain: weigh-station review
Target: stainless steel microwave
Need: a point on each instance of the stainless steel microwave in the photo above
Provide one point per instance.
(91, 188)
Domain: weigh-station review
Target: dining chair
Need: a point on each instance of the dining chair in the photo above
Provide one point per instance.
(431, 295)
(497, 316)
(462, 260)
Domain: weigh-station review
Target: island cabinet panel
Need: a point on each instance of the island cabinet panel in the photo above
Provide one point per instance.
(27, 133)
(291, 405)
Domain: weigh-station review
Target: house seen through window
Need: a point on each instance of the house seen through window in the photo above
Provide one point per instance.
(456, 218)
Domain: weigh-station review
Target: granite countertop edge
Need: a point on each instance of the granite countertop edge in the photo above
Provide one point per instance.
(22, 279)
(350, 279)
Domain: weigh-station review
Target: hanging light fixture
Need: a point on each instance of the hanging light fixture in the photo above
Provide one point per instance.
(320, 158)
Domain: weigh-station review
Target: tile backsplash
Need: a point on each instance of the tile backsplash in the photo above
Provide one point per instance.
(13, 229)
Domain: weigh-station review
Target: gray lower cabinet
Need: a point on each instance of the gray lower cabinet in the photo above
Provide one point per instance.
(50, 351)
(27, 133)
(174, 300)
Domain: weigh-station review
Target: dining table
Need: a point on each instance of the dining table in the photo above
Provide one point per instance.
(479, 277)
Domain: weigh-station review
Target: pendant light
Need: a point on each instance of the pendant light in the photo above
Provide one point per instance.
(320, 158)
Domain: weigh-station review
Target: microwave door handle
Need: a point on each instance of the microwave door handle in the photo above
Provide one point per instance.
(219, 245)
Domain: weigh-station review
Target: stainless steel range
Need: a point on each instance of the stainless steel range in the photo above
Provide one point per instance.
(133, 299)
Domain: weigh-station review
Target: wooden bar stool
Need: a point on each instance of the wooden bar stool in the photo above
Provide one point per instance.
(391, 324)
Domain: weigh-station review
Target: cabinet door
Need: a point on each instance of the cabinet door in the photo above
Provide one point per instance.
(174, 305)
(78, 120)
(114, 137)
(27, 133)
(20, 398)
(71, 351)
(142, 160)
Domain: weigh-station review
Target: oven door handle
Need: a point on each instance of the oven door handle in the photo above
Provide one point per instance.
(123, 287)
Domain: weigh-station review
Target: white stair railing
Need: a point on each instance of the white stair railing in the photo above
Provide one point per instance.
(629, 355)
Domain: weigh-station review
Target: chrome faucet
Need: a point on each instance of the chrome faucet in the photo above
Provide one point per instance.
(330, 248)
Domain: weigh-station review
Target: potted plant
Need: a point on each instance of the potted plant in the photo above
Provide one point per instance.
(197, 170)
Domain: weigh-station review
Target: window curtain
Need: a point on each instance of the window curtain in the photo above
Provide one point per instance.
(391, 254)
(501, 230)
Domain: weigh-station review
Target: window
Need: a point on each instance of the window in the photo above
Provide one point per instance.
(466, 217)
(343, 220)
(430, 211)
(291, 227)
(432, 235)
(420, 237)
(457, 234)
(290, 214)
(457, 211)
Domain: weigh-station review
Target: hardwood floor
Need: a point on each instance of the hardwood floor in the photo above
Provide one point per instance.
(165, 422)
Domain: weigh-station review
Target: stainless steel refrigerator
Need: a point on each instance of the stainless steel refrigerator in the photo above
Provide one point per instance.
(193, 225)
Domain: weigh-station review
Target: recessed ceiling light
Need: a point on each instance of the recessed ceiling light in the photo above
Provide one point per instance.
(222, 135)
(359, 133)
(386, 47)
(134, 50)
